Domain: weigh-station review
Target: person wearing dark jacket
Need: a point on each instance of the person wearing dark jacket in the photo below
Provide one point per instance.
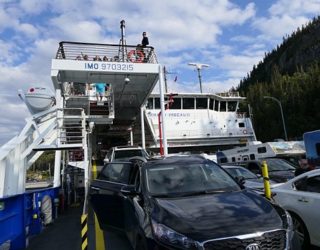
(304, 166)
(145, 40)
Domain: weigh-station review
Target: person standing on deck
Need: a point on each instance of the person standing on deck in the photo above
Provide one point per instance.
(145, 40)
(100, 90)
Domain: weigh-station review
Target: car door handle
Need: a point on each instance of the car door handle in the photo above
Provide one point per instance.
(303, 200)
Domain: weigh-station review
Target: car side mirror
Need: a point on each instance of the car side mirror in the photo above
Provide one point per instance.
(106, 160)
(129, 190)
(240, 180)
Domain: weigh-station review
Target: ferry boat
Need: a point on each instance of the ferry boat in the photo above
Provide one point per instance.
(75, 125)
(200, 120)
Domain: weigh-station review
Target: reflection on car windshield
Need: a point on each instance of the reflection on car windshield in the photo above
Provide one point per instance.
(279, 165)
(246, 174)
(188, 179)
(128, 153)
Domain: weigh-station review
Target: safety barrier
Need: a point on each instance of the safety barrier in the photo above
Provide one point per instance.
(266, 180)
(21, 217)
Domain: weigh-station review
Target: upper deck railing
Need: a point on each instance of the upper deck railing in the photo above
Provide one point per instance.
(106, 52)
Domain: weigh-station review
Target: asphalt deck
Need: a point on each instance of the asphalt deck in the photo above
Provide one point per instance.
(65, 234)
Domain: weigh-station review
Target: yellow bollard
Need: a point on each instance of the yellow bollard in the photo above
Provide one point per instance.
(100, 244)
(94, 170)
(265, 174)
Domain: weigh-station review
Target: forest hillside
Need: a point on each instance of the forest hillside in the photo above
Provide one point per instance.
(291, 74)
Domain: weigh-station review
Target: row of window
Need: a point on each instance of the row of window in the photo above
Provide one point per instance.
(195, 103)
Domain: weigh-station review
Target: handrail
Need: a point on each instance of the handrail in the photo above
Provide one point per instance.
(105, 52)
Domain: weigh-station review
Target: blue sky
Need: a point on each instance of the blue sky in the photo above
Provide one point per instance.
(230, 36)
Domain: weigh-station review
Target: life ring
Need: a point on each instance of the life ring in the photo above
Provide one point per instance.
(136, 56)
(245, 132)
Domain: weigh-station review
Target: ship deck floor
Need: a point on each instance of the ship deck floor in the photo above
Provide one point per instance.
(65, 234)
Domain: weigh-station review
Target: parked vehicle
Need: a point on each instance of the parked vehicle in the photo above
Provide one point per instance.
(186, 202)
(124, 153)
(250, 180)
(288, 150)
(280, 170)
(301, 198)
(312, 143)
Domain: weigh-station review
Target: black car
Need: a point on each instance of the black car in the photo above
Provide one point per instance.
(280, 170)
(186, 202)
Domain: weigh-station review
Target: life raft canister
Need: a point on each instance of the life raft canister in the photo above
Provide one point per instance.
(136, 56)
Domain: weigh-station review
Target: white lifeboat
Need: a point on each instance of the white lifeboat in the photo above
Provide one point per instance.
(39, 99)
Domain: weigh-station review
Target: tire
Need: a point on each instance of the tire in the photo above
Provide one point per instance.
(301, 231)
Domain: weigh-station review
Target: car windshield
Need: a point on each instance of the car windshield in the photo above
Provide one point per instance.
(279, 165)
(184, 180)
(129, 153)
(237, 172)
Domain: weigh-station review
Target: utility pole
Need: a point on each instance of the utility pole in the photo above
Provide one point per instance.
(199, 66)
(165, 72)
(279, 103)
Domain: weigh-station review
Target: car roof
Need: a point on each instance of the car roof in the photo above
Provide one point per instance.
(177, 159)
(233, 166)
(127, 148)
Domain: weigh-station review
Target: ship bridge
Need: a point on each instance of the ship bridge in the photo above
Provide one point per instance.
(130, 73)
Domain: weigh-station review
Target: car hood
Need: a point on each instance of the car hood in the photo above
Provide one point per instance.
(213, 216)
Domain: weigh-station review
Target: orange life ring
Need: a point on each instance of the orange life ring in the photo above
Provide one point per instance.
(136, 56)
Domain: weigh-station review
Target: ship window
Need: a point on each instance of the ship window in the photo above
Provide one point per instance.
(241, 125)
(211, 104)
(252, 157)
(262, 150)
(232, 106)
(233, 159)
(188, 103)
(150, 103)
(223, 106)
(157, 103)
(223, 160)
(216, 105)
(202, 103)
(176, 103)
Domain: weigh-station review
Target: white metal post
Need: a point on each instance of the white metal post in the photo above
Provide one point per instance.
(143, 138)
(131, 137)
(57, 158)
(165, 146)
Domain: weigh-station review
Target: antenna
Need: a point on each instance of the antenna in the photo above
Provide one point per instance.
(199, 66)
(122, 43)
(165, 72)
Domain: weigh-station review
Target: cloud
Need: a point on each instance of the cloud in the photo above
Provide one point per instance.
(281, 26)
(295, 7)
(12, 117)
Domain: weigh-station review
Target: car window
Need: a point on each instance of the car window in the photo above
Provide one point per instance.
(235, 172)
(311, 184)
(279, 165)
(116, 172)
(128, 153)
(181, 179)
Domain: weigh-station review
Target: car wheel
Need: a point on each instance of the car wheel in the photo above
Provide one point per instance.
(301, 231)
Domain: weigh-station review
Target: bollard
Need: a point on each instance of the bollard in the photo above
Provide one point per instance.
(56, 207)
(265, 174)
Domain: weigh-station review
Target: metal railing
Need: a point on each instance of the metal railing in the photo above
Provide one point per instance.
(71, 126)
(106, 52)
